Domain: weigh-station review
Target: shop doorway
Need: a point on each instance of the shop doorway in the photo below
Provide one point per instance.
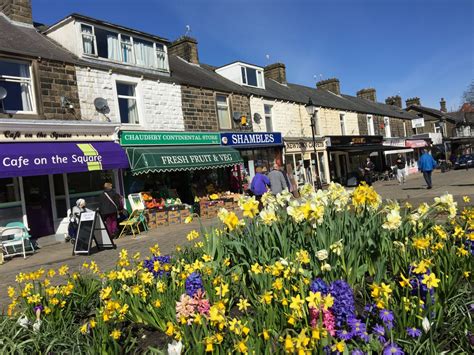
(38, 205)
(343, 168)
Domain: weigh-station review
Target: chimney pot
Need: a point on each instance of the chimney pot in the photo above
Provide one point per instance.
(331, 84)
(276, 71)
(368, 94)
(186, 48)
(394, 100)
(413, 101)
(17, 10)
(442, 105)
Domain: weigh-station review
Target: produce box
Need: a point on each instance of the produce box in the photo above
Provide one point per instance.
(161, 215)
(185, 213)
(152, 224)
(162, 222)
(174, 220)
(174, 214)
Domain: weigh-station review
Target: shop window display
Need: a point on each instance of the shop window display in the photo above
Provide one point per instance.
(10, 201)
(88, 185)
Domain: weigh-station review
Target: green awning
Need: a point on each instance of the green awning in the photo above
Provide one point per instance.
(156, 159)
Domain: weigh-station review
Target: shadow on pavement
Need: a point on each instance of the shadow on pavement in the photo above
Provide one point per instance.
(462, 185)
(414, 188)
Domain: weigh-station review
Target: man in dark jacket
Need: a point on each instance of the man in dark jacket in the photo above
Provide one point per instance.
(368, 171)
(110, 204)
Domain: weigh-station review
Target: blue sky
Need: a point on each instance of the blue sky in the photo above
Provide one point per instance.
(419, 48)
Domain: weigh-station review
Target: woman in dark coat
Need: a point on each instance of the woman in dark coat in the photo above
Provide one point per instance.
(110, 204)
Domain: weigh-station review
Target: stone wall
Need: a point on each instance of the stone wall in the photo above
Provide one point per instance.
(396, 126)
(329, 123)
(55, 80)
(200, 110)
(159, 103)
(17, 10)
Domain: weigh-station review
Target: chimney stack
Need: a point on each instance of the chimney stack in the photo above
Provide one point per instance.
(330, 85)
(17, 10)
(394, 100)
(276, 71)
(368, 94)
(442, 105)
(415, 101)
(186, 48)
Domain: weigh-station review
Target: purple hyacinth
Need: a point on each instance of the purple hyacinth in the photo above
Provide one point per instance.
(318, 285)
(163, 260)
(193, 284)
(38, 307)
(343, 307)
(413, 332)
(392, 349)
(357, 352)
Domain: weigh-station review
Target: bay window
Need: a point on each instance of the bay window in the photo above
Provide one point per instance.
(15, 78)
(128, 106)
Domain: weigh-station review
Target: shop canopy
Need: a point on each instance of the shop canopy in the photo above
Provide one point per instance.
(28, 159)
(158, 159)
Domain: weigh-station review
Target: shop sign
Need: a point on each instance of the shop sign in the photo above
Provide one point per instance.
(38, 136)
(395, 142)
(416, 144)
(353, 140)
(137, 138)
(251, 139)
(418, 122)
(301, 146)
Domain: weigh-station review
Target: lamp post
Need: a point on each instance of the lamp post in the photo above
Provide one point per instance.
(311, 109)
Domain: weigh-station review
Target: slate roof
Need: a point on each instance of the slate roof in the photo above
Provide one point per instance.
(437, 114)
(26, 41)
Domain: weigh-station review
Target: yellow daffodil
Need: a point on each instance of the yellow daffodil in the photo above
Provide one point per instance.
(256, 268)
(105, 293)
(84, 328)
(115, 334)
(466, 199)
(430, 280)
(243, 304)
(63, 270)
(405, 282)
(421, 243)
(222, 290)
(192, 235)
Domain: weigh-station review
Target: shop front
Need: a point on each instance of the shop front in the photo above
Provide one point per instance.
(44, 170)
(399, 147)
(182, 166)
(348, 154)
(300, 160)
(256, 149)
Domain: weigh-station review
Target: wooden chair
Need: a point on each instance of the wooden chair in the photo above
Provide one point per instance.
(130, 224)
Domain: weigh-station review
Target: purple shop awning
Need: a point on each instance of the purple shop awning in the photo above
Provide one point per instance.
(27, 159)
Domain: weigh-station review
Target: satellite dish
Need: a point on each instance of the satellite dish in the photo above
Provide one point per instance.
(236, 116)
(256, 117)
(101, 105)
(3, 93)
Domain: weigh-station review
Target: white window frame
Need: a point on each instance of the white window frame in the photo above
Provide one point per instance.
(342, 123)
(227, 105)
(370, 125)
(244, 76)
(404, 129)
(268, 116)
(386, 127)
(119, 36)
(138, 96)
(19, 79)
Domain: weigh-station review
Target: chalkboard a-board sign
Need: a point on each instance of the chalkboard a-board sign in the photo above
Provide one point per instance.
(91, 227)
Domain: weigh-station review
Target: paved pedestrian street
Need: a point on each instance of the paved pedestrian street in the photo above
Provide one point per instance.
(458, 183)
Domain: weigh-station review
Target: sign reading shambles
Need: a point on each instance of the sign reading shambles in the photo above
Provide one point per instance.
(137, 138)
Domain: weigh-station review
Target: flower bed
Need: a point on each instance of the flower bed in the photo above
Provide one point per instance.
(332, 272)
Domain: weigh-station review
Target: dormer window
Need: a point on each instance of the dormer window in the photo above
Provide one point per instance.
(123, 48)
(251, 77)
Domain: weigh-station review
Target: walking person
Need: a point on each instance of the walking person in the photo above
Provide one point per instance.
(426, 164)
(110, 206)
(277, 180)
(368, 171)
(401, 169)
(259, 185)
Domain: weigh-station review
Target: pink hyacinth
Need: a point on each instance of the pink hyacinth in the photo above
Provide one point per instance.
(329, 322)
(202, 304)
(185, 308)
(313, 316)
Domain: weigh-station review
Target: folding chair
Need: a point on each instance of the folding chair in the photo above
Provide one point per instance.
(15, 241)
(130, 224)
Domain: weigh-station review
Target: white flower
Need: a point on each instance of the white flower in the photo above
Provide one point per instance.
(426, 325)
(326, 267)
(37, 325)
(337, 247)
(175, 348)
(23, 322)
(394, 220)
(322, 254)
(284, 262)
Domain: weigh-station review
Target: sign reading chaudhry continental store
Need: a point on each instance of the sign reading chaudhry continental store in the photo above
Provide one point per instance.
(137, 138)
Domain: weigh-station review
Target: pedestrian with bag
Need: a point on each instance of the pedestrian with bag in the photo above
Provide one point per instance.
(401, 169)
(110, 207)
(426, 165)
